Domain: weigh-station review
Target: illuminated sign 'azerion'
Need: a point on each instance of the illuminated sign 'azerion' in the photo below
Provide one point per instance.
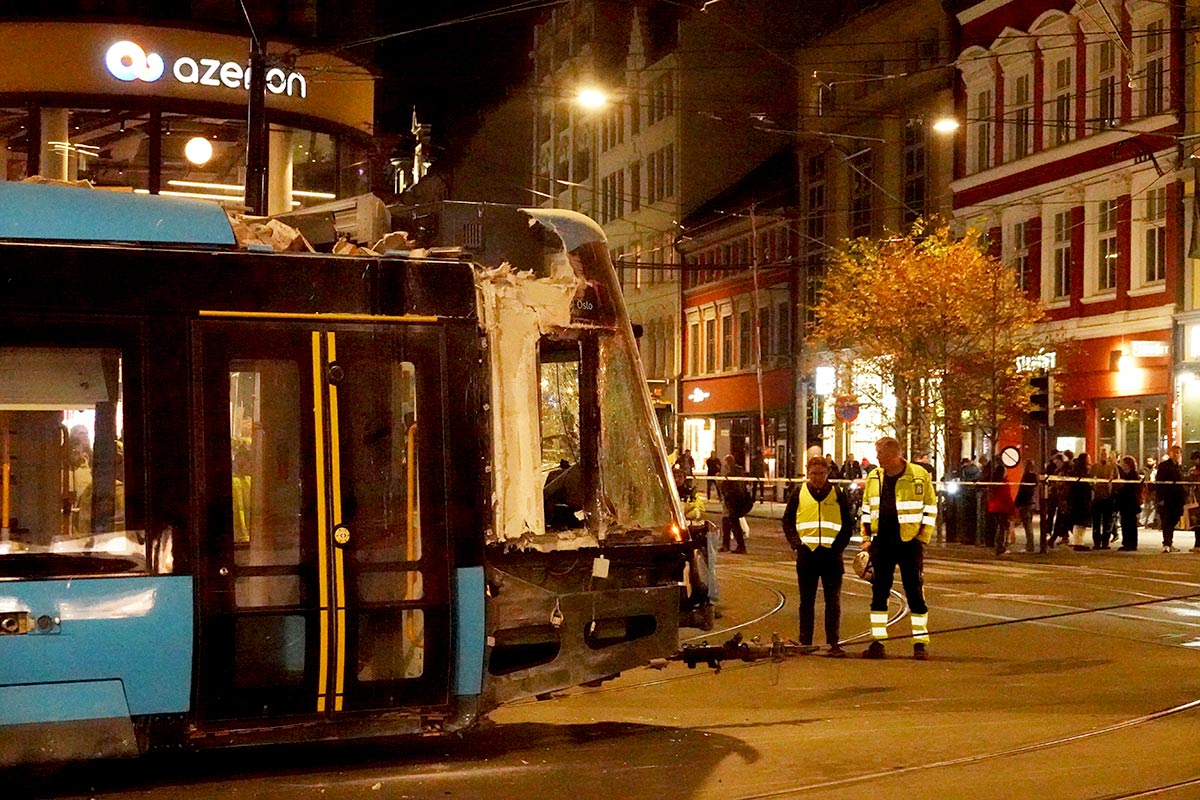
(128, 61)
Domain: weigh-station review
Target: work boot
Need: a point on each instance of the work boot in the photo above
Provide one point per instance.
(919, 652)
(835, 651)
(875, 650)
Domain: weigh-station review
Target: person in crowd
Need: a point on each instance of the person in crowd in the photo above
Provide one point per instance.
(851, 469)
(831, 466)
(1062, 499)
(713, 465)
(969, 495)
(685, 472)
(1025, 501)
(1148, 518)
(818, 524)
(1127, 501)
(1048, 499)
(1104, 471)
(758, 471)
(1000, 508)
(1169, 496)
(1192, 500)
(1079, 501)
(922, 460)
(901, 519)
(735, 494)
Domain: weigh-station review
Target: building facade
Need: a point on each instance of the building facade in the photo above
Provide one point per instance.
(1070, 162)
(691, 108)
(740, 291)
(153, 98)
(872, 87)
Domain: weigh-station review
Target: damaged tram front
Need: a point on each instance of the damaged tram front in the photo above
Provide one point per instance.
(584, 558)
(255, 497)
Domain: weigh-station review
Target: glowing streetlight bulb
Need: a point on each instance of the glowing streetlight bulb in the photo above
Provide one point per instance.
(198, 150)
(945, 125)
(591, 98)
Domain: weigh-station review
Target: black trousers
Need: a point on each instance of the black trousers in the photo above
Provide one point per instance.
(1129, 525)
(731, 524)
(823, 565)
(1168, 518)
(910, 557)
(1102, 518)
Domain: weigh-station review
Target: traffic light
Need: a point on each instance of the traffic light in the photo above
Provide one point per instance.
(1041, 398)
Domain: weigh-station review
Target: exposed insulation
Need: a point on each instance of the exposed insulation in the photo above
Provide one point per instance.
(515, 309)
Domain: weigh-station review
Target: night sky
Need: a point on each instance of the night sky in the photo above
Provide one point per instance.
(454, 73)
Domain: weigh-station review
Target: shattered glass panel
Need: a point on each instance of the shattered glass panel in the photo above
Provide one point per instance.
(636, 492)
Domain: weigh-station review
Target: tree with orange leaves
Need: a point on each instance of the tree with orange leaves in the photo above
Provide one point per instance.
(935, 322)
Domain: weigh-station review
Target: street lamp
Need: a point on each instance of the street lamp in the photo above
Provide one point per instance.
(591, 98)
(945, 125)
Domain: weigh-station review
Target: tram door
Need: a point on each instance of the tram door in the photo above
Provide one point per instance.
(323, 567)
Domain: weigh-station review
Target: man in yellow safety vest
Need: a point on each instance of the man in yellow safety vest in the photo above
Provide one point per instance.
(818, 523)
(900, 516)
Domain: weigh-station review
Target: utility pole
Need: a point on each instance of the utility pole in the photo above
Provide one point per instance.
(256, 124)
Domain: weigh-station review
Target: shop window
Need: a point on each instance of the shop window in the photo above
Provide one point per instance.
(1061, 115)
(694, 366)
(1108, 109)
(1154, 68)
(710, 345)
(983, 130)
(861, 193)
(727, 341)
(914, 171)
(745, 339)
(1022, 118)
(1156, 236)
(1106, 250)
(1061, 253)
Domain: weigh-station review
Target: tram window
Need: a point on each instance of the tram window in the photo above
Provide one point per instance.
(270, 650)
(264, 450)
(392, 645)
(563, 491)
(62, 464)
(380, 444)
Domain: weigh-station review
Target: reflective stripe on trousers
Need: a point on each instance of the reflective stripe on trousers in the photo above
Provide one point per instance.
(920, 628)
(879, 621)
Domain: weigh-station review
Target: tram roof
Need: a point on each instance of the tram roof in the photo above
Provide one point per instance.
(41, 212)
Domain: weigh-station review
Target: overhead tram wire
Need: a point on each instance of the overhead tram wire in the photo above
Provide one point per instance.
(515, 8)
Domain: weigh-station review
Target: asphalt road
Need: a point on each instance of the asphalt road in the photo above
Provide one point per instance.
(1077, 704)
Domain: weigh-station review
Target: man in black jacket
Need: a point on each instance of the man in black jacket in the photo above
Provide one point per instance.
(737, 497)
(1169, 495)
(818, 523)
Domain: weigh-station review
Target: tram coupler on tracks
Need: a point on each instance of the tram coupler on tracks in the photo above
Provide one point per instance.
(737, 649)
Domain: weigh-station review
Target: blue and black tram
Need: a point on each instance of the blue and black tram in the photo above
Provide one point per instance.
(251, 497)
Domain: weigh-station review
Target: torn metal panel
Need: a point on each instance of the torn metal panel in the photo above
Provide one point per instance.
(570, 299)
(545, 640)
(515, 309)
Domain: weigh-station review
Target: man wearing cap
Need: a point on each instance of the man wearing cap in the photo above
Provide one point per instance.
(818, 523)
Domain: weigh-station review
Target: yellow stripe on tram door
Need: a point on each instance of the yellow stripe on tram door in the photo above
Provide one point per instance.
(322, 529)
(339, 569)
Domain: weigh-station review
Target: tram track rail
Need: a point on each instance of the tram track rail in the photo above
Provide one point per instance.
(1035, 747)
(778, 603)
(978, 758)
